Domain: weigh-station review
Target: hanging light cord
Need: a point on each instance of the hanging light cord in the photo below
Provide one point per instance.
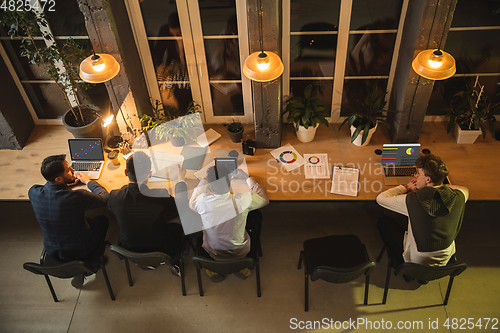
(260, 28)
(129, 129)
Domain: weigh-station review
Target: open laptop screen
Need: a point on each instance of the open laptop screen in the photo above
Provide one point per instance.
(404, 154)
(86, 149)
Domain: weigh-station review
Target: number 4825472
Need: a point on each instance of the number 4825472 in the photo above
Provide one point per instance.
(28, 5)
(471, 323)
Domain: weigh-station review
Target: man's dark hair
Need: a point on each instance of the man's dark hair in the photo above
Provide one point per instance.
(52, 167)
(173, 21)
(216, 173)
(138, 167)
(433, 167)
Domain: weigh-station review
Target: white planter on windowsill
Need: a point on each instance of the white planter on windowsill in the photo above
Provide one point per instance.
(306, 135)
(466, 136)
(357, 142)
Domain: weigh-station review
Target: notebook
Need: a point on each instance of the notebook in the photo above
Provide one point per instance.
(398, 162)
(87, 156)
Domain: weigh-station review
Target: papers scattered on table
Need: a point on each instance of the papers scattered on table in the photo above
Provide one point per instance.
(345, 181)
(288, 156)
(167, 166)
(206, 138)
(316, 166)
(202, 173)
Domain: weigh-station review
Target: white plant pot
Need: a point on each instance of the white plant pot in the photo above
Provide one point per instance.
(306, 135)
(357, 142)
(466, 136)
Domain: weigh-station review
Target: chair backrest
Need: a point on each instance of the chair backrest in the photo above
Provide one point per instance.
(223, 267)
(342, 275)
(64, 271)
(144, 259)
(429, 273)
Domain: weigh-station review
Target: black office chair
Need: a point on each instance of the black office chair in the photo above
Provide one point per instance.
(147, 259)
(422, 273)
(65, 270)
(336, 259)
(203, 260)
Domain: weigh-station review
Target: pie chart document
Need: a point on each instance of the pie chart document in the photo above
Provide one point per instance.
(288, 157)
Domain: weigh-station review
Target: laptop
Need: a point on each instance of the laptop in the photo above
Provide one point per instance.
(87, 156)
(398, 162)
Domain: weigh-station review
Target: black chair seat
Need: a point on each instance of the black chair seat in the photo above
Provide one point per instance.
(51, 266)
(336, 259)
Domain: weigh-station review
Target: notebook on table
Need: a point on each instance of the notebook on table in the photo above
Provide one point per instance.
(87, 156)
(398, 162)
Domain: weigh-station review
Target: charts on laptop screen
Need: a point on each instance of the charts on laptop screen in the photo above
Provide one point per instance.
(85, 149)
(400, 154)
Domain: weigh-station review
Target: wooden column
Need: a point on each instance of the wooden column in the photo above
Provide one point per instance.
(426, 24)
(267, 96)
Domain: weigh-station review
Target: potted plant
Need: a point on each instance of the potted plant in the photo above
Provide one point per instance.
(306, 113)
(366, 116)
(60, 62)
(235, 130)
(470, 113)
(168, 123)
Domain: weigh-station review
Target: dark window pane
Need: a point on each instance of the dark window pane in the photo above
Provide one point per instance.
(476, 13)
(25, 70)
(218, 17)
(223, 59)
(312, 55)
(66, 19)
(304, 14)
(475, 51)
(375, 15)
(95, 94)
(370, 54)
(444, 91)
(158, 15)
(227, 99)
(355, 92)
(47, 99)
(176, 95)
(324, 88)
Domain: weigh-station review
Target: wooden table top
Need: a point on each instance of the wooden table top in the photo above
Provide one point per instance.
(20, 169)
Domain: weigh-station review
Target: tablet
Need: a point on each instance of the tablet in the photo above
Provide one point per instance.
(229, 162)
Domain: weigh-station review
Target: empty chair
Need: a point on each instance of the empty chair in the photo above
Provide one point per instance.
(203, 260)
(336, 259)
(423, 273)
(65, 270)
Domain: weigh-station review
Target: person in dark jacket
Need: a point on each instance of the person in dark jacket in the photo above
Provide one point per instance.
(60, 211)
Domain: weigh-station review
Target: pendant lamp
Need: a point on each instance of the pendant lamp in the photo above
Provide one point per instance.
(435, 64)
(99, 68)
(262, 66)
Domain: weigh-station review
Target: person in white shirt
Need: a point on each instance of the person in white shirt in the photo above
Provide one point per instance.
(435, 212)
(231, 221)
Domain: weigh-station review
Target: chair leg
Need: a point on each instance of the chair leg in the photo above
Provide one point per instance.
(257, 273)
(386, 288)
(51, 288)
(129, 275)
(306, 302)
(200, 285)
(367, 284)
(300, 260)
(381, 253)
(448, 291)
(107, 282)
(183, 281)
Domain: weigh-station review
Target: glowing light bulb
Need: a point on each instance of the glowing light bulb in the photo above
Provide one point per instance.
(263, 66)
(435, 64)
(108, 120)
(99, 67)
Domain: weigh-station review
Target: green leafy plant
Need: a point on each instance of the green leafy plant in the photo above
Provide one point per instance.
(60, 62)
(169, 121)
(306, 111)
(367, 113)
(235, 127)
(471, 111)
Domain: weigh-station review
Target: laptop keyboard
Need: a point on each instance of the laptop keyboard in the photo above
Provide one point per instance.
(400, 171)
(86, 166)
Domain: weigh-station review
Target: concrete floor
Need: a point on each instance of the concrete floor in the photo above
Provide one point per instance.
(155, 303)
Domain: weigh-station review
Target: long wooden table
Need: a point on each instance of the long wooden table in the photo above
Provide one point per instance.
(474, 166)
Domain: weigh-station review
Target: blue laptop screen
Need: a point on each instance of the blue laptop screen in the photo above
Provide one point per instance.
(85, 149)
(400, 154)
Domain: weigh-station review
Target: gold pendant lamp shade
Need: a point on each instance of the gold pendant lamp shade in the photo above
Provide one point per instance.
(99, 68)
(434, 64)
(263, 66)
